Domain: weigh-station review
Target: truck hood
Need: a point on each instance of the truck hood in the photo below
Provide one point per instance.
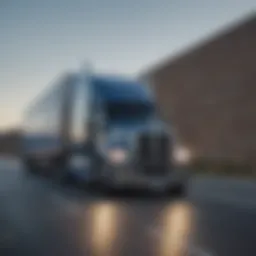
(124, 136)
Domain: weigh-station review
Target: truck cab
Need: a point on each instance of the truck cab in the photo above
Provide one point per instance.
(123, 142)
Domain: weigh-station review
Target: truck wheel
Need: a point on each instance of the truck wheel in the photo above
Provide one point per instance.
(179, 190)
(58, 167)
(67, 179)
(30, 167)
(94, 174)
(81, 174)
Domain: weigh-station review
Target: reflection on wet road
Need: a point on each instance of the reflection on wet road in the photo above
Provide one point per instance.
(114, 229)
(105, 221)
(177, 223)
(39, 217)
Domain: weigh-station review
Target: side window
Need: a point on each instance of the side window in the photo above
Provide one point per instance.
(79, 114)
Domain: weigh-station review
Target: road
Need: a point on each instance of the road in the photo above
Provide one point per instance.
(40, 217)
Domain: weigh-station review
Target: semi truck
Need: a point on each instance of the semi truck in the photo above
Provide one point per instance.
(102, 130)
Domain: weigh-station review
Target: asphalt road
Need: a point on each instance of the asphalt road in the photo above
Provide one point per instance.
(40, 217)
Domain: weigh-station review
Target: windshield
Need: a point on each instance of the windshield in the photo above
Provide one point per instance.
(129, 112)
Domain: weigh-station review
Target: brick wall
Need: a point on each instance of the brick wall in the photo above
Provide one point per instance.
(210, 95)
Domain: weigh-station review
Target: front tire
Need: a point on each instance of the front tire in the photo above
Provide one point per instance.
(94, 180)
(178, 190)
(30, 166)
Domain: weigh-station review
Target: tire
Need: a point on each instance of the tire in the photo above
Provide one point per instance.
(95, 167)
(61, 171)
(30, 166)
(58, 167)
(179, 190)
(67, 179)
(67, 172)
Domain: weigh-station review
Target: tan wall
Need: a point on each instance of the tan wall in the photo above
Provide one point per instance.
(210, 95)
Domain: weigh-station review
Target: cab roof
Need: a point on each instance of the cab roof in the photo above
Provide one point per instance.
(113, 88)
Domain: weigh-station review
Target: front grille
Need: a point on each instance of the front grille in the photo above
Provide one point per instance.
(153, 153)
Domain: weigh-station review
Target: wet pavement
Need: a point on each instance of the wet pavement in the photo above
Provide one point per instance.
(41, 217)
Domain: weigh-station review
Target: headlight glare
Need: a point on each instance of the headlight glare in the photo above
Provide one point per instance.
(117, 156)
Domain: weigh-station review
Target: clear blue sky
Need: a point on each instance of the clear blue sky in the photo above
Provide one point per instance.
(41, 39)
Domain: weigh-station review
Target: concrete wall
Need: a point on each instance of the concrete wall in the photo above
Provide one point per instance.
(210, 95)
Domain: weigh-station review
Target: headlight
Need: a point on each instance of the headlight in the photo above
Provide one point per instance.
(117, 155)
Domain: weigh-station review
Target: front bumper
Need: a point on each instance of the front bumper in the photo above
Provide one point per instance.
(125, 177)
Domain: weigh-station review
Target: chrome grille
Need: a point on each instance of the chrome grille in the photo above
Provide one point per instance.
(153, 153)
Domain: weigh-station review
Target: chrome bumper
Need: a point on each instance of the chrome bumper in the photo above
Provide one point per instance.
(123, 177)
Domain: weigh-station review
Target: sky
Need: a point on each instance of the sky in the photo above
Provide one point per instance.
(42, 39)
